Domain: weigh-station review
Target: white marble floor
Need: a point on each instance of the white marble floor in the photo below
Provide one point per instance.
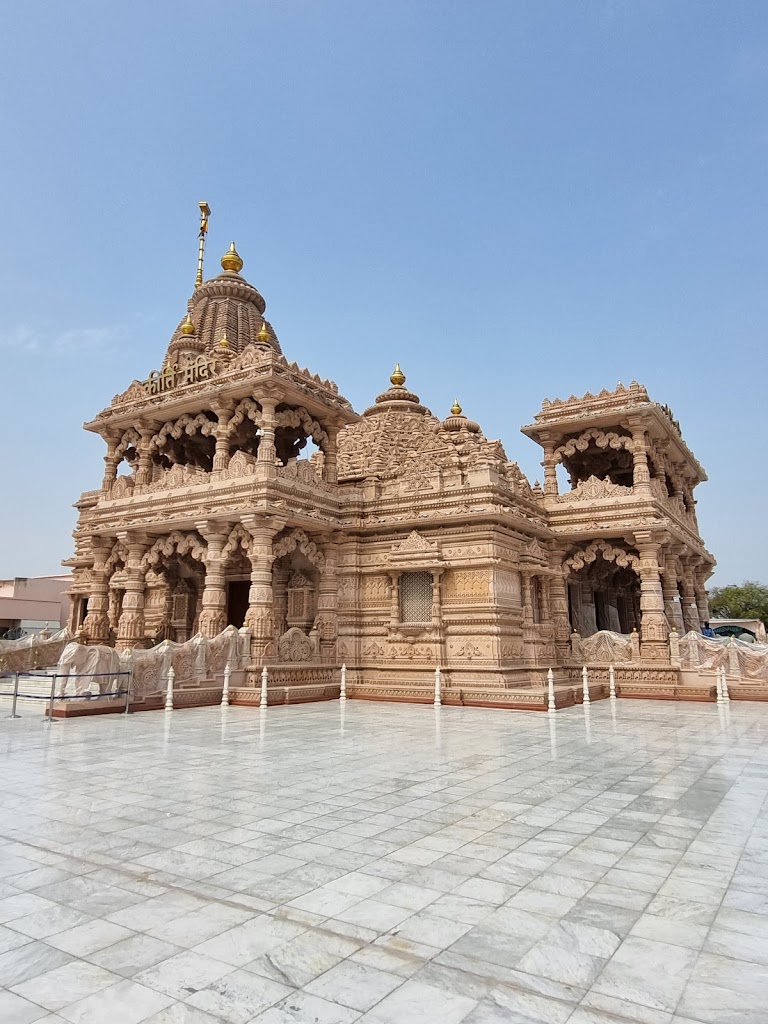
(386, 864)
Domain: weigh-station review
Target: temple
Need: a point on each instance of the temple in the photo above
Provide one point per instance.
(402, 542)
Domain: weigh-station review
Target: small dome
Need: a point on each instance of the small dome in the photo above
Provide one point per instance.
(231, 260)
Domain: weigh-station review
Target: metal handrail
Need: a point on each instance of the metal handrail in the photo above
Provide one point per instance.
(53, 676)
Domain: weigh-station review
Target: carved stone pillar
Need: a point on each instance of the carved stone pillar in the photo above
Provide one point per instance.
(326, 620)
(558, 600)
(527, 594)
(641, 476)
(550, 468)
(130, 626)
(437, 607)
(144, 467)
(260, 616)
(691, 620)
(671, 594)
(221, 433)
(267, 451)
(96, 622)
(111, 462)
(702, 601)
(653, 626)
(329, 466)
(213, 614)
(394, 600)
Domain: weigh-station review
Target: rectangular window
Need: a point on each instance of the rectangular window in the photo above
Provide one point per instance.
(416, 597)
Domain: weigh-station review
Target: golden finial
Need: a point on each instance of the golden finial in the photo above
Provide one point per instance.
(205, 213)
(398, 377)
(456, 408)
(264, 337)
(231, 259)
(188, 327)
(224, 341)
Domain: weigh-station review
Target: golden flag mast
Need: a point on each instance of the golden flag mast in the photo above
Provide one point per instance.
(205, 213)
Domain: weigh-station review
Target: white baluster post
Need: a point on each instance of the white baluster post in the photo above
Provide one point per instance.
(343, 686)
(264, 677)
(551, 692)
(724, 686)
(585, 685)
(438, 681)
(169, 690)
(719, 686)
(225, 691)
(612, 683)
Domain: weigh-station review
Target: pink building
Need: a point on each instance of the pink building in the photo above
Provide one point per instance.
(34, 603)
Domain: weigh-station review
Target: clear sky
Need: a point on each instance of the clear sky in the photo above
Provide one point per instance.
(516, 200)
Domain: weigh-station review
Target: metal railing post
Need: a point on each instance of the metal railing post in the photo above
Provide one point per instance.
(128, 691)
(50, 702)
(15, 697)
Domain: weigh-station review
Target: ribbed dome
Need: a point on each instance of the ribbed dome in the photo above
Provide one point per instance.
(226, 305)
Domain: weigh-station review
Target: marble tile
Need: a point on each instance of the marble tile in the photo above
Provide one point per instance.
(238, 996)
(647, 972)
(15, 1010)
(301, 1008)
(354, 985)
(183, 974)
(182, 1013)
(132, 955)
(122, 1003)
(58, 988)
(414, 1003)
(239, 945)
(85, 939)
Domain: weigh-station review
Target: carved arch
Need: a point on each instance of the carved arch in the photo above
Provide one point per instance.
(622, 558)
(130, 439)
(238, 538)
(247, 408)
(119, 553)
(299, 417)
(601, 439)
(185, 424)
(182, 543)
(298, 539)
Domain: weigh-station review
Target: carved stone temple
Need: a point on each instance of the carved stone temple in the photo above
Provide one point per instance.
(405, 542)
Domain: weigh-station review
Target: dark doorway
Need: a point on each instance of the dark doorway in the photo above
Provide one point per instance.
(237, 602)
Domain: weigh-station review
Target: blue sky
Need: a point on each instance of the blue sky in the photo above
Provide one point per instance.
(515, 200)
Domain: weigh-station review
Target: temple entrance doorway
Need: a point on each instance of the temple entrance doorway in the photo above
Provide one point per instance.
(604, 595)
(237, 602)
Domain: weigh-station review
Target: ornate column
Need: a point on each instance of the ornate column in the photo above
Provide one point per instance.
(144, 467)
(700, 590)
(260, 617)
(96, 622)
(111, 462)
(669, 589)
(690, 609)
(394, 600)
(653, 626)
(223, 412)
(526, 578)
(130, 626)
(267, 451)
(329, 468)
(558, 600)
(326, 619)
(213, 614)
(641, 477)
(549, 464)
(437, 608)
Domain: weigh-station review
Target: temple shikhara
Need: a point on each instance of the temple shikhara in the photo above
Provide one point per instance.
(243, 491)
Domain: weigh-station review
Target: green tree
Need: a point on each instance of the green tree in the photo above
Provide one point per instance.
(748, 601)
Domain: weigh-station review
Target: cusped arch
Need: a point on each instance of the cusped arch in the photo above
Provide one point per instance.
(298, 539)
(238, 538)
(186, 424)
(299, 417)
(119, 553)
(191, 544)
(622, 558)
(130, 439)
(246, 409)
(602, 440)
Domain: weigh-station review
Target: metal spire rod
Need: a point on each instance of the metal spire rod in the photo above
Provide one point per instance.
(205, 213)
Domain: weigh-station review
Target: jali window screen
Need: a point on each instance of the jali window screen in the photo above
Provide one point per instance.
(416, 597)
